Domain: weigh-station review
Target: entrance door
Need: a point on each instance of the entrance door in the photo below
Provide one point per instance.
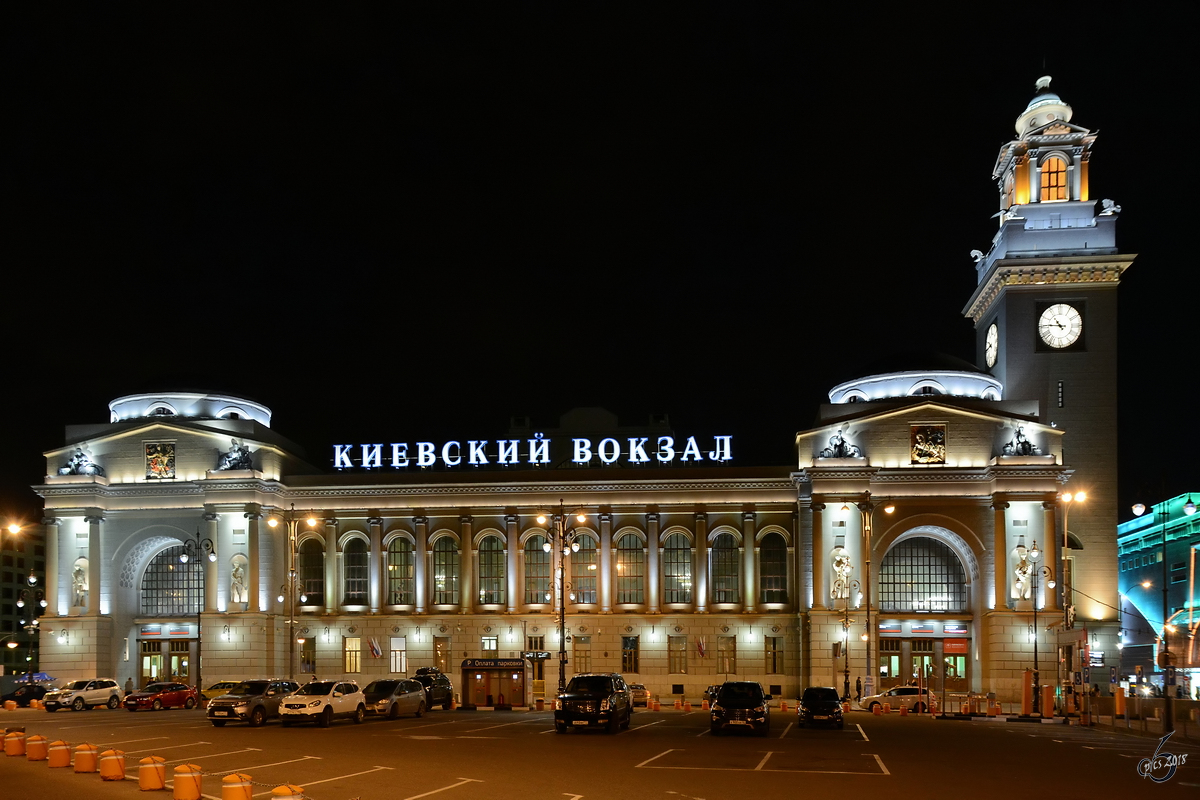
(152, 662)
(481, 688)
(181, 661)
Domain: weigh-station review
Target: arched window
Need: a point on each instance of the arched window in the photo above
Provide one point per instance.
(401, 588)
(445, 571)
(772, 569)
(537, 570)
(1054, 179)
(310, 563)
(491, 570)
(922, 574)
(584, 566)
(171, 588)
(725, 569)
(355, 572)
(677, 569)
(631, 569)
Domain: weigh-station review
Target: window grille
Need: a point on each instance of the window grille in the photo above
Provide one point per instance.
(922, 574)
(401, 589)
(631, 562)
(445, 571)
(677, 569)
(310, 563)
(584, 565)
(491, 570)
(355, 572)
(171, 588)
(725, 569)
(772, 565)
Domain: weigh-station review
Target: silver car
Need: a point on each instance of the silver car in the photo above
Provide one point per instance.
(391, 697)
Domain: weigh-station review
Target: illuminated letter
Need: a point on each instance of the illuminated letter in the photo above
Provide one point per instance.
(692, 450)
(341, 456)
(457, 459)
(508, 451)
(637, 453)
(371, 455)
(425, 454)
(399, 455)
(604, 448)
(583, 451)
(477, 454)
(722, 453)
(539, 450)
(666, 449)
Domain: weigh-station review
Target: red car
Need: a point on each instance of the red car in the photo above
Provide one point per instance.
(158, 696)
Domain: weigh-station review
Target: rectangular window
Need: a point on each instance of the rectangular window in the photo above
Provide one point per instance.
(774, 655)
(489, 644)
(399, 660)
(677, 655)
(582, 654)
(308, 656)
(584, 569)
(400, 572)
(727, 655)
(631, 563)
(491, 571)
(537, 570)
(630, 654)
(351, 655)
(537, 668)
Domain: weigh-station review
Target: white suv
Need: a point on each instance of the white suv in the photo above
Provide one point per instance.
(78, 695)
(321, 701)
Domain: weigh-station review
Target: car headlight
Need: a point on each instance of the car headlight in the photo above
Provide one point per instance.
(314, 703)
(717, 707)
(604, 705)
(759, 710)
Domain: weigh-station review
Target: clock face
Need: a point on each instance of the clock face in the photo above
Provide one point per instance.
(1060, 325)
(991, 345)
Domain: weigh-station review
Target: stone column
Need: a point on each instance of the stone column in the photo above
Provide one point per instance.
(1049, 548)
(377, 569)
(1000, 553)
(467, 591)
(420, 564)
(653, 572)
(95, 564)
(332, 567)
(211, 572)
(253, 558)
(512, 529)
(606, 564)
(700, 568)
(820, 555)
(749, 574)
(52, 579)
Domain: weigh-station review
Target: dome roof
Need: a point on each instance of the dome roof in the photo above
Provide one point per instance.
(911, 374)
(1046, 106)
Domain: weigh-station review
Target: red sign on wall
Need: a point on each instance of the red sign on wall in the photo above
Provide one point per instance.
(954, 646)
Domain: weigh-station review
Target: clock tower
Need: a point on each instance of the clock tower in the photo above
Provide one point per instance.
(1045, 314)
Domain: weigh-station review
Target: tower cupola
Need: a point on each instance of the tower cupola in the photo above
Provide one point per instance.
(1045, 107)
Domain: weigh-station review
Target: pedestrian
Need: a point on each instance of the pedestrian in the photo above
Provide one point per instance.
(129, 686)
(857, 689)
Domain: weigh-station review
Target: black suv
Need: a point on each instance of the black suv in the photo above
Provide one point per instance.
(820, 705)
(600, 698)
(438, 689)
(741, 704)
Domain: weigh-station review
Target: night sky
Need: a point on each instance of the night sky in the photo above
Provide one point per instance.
(403, 228)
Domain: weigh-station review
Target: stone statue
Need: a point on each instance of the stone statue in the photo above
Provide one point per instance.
(841, 574)
(80, 463)
(238, 456)
(237, 583)
(1020, 444)
(840, 448)
(1022, 584)
(1110, 207)
(79, 586)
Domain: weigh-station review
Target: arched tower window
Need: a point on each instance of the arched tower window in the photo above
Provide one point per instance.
(772, 569)
(631, 569)
(355, 572)
(1054, 179)
(584, 566)
(445, 571)
(537, 570)
(171, 588)
(677, 569)
(400, 572)
(310, 563)
(922, 574)
(725, 569)
(491, 570)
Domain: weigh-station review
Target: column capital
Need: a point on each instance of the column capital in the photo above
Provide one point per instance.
(93, 519)
(466, 519)
(512, 519)
(605, 517)
(420, 520)
(210, 516)
(375, 522)
(999, 505)
(653, 516)
(749, 516)
(254, 515)
(51, 521)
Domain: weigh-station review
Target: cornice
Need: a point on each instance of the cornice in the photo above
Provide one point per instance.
(1073, 270)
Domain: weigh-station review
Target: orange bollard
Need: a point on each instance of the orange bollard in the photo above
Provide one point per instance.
(10, 705)
(287, 790)
(85, 757)
(904, 711)
(112, 765)
(36, 748)
(687, 705)
(846, 708)
(59, 754)
(678, 704)
(876, 710)
(152, 774)
(887, 708)
(783, 705)
(236, 787)
(704, 705)
(187, 782)
(657, 707)
(14, 743)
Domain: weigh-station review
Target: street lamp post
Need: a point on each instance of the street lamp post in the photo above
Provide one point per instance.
(38, 601)
(561, 543)
(291, 588)
(845, 587)
(1034, 556)
(192, 548)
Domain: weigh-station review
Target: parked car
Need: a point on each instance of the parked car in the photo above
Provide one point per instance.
(87, 693)
(439, 691)
(820, 705)
(158, 696)
(640, 694)
(24, 693)
(906, 696)
(217, 689)
(600, 698)
(392, 697)
(741, 705)
(323, 701)
(253, 702)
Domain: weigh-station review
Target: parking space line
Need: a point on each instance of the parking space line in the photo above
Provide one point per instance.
(338, 778)
(260, 766)
(647, 725)
(660, 755)
(172, 747)
(763, 763)
(785, 730)
(131, 741)
(860, 730)
(880, 762)
(461, 782)
(501, 725)
(211, 755)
